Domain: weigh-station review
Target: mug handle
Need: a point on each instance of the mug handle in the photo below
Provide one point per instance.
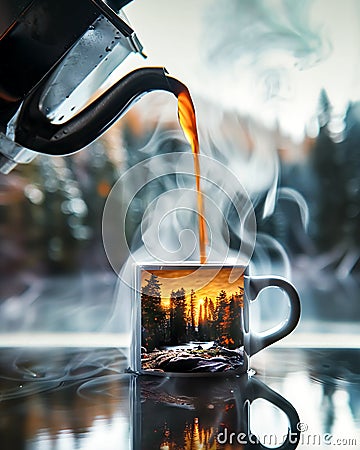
(258, 341)
(256, 390)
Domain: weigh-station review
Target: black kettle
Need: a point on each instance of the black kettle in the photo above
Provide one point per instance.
(54, 55)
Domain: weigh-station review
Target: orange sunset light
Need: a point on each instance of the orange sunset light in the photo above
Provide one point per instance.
(205, 281)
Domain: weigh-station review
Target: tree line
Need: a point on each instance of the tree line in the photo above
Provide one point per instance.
(182, 322)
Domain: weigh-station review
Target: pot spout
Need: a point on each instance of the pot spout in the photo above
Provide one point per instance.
(34, 131)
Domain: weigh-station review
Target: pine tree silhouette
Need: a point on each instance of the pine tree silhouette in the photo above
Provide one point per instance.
(192, 313)
(212, 320)
(222, 317)
(331, 193)
(178, 316)
(206, 329)
(235, 331)
(201, 323)
(153, 318)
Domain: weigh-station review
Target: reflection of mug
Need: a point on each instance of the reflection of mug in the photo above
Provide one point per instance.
(194, 319)
(175, 413)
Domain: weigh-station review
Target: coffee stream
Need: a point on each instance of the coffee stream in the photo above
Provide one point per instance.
(187, 120)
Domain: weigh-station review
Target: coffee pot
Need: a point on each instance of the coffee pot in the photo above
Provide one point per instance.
(54, 57)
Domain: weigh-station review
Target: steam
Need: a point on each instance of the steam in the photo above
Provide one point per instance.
(168, 226)
(270, 256)
(276, 56)
(169, 222)
(27, 372)
(295, 196)
(279, 29)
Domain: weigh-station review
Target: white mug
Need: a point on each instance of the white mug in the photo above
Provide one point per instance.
(194, 320)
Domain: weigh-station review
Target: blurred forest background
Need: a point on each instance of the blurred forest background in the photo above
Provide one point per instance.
(51, 210)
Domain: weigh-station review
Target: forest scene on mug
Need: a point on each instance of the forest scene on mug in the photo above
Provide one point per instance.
(192, 319)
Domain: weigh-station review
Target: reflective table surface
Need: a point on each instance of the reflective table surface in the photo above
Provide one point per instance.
(83, 398)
